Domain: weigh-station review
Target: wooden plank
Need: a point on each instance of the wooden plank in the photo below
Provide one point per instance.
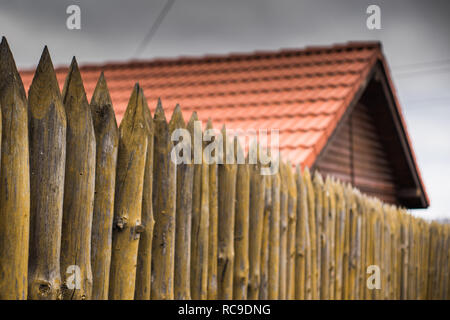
(107, 145)
(47, 134)
(79, 187)
(127, 225)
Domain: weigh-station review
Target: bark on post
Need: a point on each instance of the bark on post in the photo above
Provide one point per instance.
(340, 238)
(274, 238)
(302, 242)
(265, 272)
(318, 189)
(79, 187)
(164, 203)
(200, 216)
(107, 144)
(15, 181)
(324, 254)
(312, 232)
(283, 231)
(256, 221)
(227, 196)
(213, 216)
(183, 219)
(210, 137)
(347, 243)
(47, 133)
(241, 228)
(331, 236)
(291, 235)
(127, 225)
(142, 289)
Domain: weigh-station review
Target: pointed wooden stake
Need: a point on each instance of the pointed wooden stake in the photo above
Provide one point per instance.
(213, 225)
(164, 203)
(241, 229)
(107, 144)
(257, 202)
(78, 190)
(47, 132)
(283, 230)
(127, 225)
(302, 241)
(183, 224)
(291, 234)
(144, 262)
(274, 238)
(315, 289)
(200, 216)
(15, 180)
(227, 197)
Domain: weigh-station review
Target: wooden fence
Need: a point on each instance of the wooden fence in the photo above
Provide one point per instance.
(92, 211)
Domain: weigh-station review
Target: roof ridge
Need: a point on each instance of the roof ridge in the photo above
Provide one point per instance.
(251, 55)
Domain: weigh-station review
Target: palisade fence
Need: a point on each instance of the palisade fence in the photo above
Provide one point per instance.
(92, 211)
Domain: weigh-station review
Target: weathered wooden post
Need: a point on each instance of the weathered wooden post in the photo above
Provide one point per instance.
(226, 216)
(200, 215)
(15, 180)
(183, 219)
(274, 237)
(340, 238)
(241, 228)
(318, 190)
(315, 293)
(132, 153)
(143, 281)
(107, 144)
(331, 237)
(265, 247)
(164, 203)
(291, 234)
(283, 231)
(302, 242)
(213, 215)
(257, 202)
(324, 253)
(404, 256)
(78, 190)
(47, 133)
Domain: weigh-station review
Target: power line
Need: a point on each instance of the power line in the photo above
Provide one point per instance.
(148, 37)
(410, 73)
(422, 64)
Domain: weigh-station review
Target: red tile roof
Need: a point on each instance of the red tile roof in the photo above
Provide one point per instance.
(301, 92)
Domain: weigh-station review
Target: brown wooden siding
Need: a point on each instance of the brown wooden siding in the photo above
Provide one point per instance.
(355, 154)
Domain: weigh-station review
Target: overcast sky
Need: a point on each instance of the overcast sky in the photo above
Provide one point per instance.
(415, 37)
